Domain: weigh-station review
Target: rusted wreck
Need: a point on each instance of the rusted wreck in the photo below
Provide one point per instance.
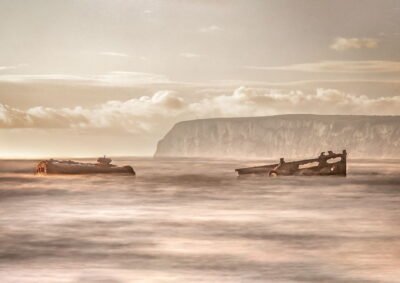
(325, 165)
(103, 166)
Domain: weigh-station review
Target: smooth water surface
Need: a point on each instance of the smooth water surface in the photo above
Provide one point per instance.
(192, 220)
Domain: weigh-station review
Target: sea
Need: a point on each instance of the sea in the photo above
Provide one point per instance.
(195, 220)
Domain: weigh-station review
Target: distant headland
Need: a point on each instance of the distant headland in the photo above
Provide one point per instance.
(293, 136)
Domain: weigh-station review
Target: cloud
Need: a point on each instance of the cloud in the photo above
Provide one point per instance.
(257, 102)
(157, 113)
(115, 54)
(209, 29)
(370, 66)
(113, 78)
(129, 78)
(135, 115)
(3, 68)
(189, 55)
(342, 43)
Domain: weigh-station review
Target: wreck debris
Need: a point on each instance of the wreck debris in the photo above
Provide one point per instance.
(324, 165)
(103, 166)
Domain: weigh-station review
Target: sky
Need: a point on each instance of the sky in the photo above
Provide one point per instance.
(93, 77)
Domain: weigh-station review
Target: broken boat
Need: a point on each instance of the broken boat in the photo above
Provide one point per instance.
(103, 166)
(325, 165)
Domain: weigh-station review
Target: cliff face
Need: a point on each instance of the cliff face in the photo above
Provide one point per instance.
(291, 136)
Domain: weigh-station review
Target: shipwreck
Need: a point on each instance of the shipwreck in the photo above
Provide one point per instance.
(325, 165)
(103, 166)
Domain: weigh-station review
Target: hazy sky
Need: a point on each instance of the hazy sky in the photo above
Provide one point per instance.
(86, 78)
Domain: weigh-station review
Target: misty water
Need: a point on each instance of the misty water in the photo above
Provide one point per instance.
(194, 220)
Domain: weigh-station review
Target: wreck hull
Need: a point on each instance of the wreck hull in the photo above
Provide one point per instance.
(46, 167)
(326, 166)
(265, 169)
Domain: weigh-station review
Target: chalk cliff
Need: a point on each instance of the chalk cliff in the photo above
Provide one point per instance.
(291, 136)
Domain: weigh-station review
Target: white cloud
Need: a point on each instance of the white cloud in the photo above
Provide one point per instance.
(189, 55)
(134, 115)
(122, 78)
(42, 77)
(156, 113)
(342, 43)
(371, 66)
(115, 54)
(3, 68)
(257, 102)
(113, 78)
(212, 28)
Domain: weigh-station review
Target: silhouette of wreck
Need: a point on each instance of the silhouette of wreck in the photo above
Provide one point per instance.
(324, 165)
(103, 166)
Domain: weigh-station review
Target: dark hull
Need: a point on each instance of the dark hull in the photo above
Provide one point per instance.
(324, 165)
(82, 168)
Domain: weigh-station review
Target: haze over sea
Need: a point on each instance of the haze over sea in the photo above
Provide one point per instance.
(194, 220)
